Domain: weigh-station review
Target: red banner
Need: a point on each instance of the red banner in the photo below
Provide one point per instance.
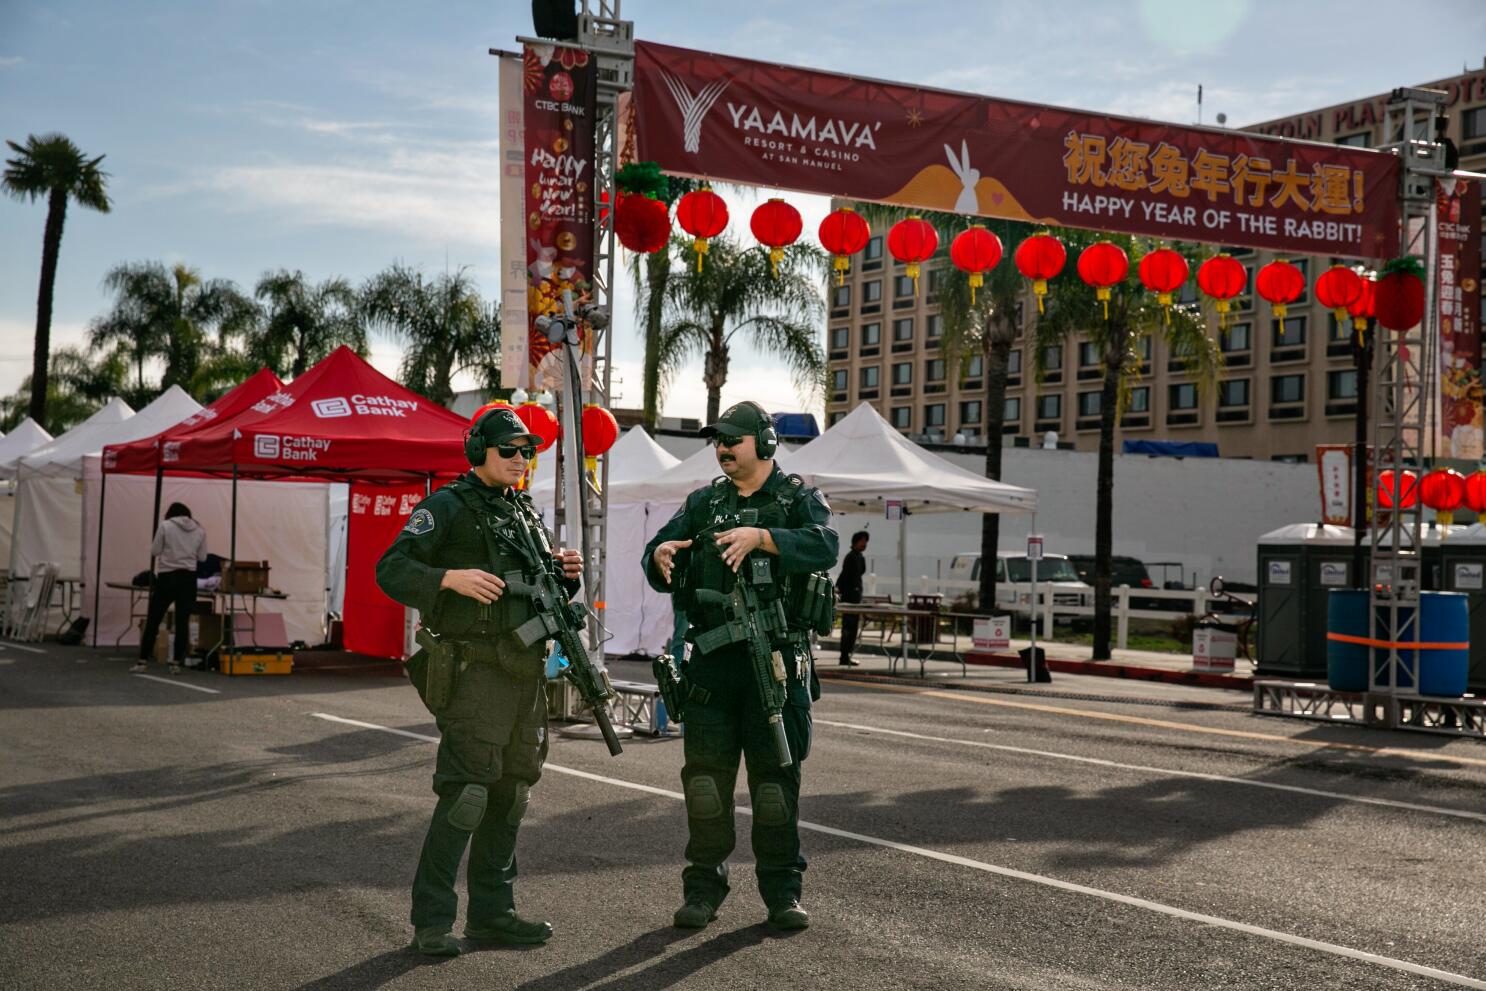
(559, 90)
(1458, 202)
(373, 623)
(739, 120)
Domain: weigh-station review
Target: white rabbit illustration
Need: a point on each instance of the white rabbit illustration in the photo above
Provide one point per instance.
(542, 267)
(967, 202)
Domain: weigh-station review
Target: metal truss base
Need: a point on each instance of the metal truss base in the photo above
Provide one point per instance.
(1465, 716)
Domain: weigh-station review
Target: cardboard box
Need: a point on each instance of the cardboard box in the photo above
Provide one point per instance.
(241, 662)
(1213, 650)
(244, 576)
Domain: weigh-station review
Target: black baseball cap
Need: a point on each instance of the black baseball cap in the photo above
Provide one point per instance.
(501, 426)
(739, 420)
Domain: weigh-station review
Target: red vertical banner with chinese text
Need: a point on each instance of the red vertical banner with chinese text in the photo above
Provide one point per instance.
(1458, 202)
(559, 96)
(373, 623)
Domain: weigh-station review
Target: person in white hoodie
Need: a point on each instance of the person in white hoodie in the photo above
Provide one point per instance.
(179, 545)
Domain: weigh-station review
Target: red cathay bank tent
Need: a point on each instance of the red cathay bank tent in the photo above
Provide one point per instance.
(162, 450)
(341, 420)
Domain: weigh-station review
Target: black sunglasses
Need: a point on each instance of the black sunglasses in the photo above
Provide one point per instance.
(726, 440)
(527, 451)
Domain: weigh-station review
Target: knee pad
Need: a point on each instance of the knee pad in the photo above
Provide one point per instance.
(520, 796)
(771, 804)
(469, 807)
(703, 798)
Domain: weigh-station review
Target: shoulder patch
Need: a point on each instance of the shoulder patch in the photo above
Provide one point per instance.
(419, 523)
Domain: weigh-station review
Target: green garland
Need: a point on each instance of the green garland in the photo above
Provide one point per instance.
(644, 179)
(1408, 265)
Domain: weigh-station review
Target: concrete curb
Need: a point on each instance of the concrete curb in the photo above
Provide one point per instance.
(1115, 669)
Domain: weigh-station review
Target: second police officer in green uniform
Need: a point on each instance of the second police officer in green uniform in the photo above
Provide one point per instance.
(487, 690)
(754, 509)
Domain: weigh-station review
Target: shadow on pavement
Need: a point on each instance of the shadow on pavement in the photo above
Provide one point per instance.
(374, 972)
(663, 971)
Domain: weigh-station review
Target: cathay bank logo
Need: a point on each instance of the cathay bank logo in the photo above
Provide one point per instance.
(693, 107)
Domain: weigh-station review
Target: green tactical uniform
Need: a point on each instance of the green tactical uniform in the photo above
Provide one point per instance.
(493, 728)
(723, 715)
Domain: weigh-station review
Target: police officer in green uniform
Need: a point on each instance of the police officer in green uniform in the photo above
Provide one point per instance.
(487, 690)
(723, 714)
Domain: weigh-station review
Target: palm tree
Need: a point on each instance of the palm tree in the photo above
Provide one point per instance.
(448, 327)
(77, 384)
(1133, 313)
(737, 293)
(304, 322)
(54, 167)
(651, 275)
(169, 314)
(988, 326)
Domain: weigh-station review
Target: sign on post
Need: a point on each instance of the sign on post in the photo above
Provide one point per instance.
(992, 634)
(1334, 464)
(1034, 547)
(894, 508)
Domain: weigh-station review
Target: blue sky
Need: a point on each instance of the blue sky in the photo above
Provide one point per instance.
(339, 137)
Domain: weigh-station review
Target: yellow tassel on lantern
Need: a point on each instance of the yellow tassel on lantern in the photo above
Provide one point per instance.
(1222, 313)
(776, 255)
(976, 281)
(1164, 298)
(841, 264)
(1279, 311)
(1102, 294)
(701, 247)
(591, 465)
(1039, 289)
(913, 274)
(1340, 312)
(1445, 517)
(527, 477)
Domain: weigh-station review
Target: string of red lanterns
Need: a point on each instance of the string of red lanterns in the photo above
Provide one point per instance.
(1040, 258)
(776, 225)
(1163, 272)
(843, 233)
(1475, 494)
(1280, 283)
(1443, 490)
(913, 241)
(975, 251)
(1103, 265)
(1222, 278)
(1338, 288)
(704, 215)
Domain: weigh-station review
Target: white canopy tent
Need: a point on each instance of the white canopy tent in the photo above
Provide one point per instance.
(25, 438)
(112, 413)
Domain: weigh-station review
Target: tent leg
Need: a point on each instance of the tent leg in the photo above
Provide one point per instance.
(155, 519)
(98, 557)
(228, 630)
(903, 580)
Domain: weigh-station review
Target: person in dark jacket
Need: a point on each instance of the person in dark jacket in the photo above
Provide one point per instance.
(849, 589)
(179, 545)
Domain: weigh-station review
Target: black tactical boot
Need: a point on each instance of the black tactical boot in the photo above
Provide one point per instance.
(509, 930)
(789, 916)
(695, 914)
(435, 942)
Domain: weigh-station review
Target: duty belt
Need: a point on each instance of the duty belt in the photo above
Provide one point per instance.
(475, 651)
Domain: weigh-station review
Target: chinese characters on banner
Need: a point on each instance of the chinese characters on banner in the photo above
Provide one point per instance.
(729, 118)
(513, 285)
(1334, 464)
(560, 89)
(1458, 203)
(372, 622)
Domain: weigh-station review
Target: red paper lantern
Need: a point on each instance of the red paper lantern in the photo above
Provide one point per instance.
(641, 224)
(843, 233)
(1399, 295)
(1102, 265)
(1039, 258)
(1163, 272)
(1338, 288)
(1363, 308)
(1222, 277)
(1280, 283)
(1475, 494)
(975, 251)
(703, 215)
(776, 224)
(1408, 490)
(1443, 490)
(914, 242)
(600, 431)
(493, 404)
(538, 420)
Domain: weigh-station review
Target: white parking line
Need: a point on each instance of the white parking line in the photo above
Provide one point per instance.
(1459, 980)
(177, 682)
(21, 646)
(1146, 769)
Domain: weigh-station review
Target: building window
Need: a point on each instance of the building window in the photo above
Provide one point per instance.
(1304, 264)
(1341, 384)
(970, 411)
(841, 298)
(1289, 332)
(934, 416)
(1287, 389)
(870, 376)
(840, 338)
(1233, 393)
(903, 329)
(903, 417)
(934, 328)
(1049, 407)
(874, 249)
(834, 418)
(903, 373)
(838, 380)
(1014, 362)
(872, 291)
(1089, 403)
(1017, 316)
(1011, 411)
(934, 370)
(1052, 358)
(871, 335)
(1088, 354)
(1235, 338)
(936, 280)
(902, 287)
(1336, 331)
(1143, 347)
(975, 366)
(1182, 395)
(1140, 400)
(1359, 140)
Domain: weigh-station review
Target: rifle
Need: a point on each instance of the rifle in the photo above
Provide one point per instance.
(750, 620)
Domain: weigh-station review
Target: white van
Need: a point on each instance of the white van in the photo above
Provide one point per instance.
(1014, 580)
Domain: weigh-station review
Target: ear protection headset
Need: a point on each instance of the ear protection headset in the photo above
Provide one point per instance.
(765, 440)
(474, 441)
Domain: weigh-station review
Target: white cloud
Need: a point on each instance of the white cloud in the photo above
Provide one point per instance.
(10, 61)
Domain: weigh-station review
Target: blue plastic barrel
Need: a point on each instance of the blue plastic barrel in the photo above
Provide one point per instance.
(1346, 663)
(1444, 618)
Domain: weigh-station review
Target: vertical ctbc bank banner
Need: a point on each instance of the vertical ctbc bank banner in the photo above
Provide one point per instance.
(513, 286)
(735, 119)
(1458, 205)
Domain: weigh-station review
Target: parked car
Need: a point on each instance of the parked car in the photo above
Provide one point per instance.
(1126, 571)
(1014, 580)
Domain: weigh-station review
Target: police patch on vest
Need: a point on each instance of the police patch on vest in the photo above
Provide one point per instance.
(419, 523)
